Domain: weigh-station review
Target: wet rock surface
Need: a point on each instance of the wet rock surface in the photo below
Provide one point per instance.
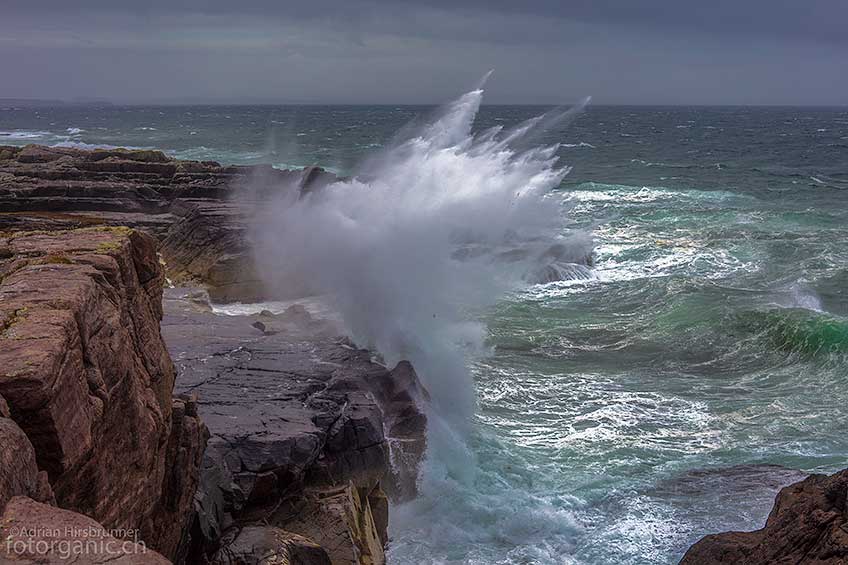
(302, 426)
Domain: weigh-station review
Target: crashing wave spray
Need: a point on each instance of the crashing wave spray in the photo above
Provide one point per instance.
(436, 226)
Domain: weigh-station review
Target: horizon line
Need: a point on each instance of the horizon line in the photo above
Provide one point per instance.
(55, 103)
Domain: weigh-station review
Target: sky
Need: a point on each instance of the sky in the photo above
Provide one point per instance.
(791, 52)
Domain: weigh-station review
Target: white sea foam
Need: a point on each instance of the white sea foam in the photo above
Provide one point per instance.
(23, 134)
(316, 306)
(800, 295)
(82, 145)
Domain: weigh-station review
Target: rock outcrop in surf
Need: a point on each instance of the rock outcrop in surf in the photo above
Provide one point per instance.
(308, 434)
(308, 437)
(808, 525)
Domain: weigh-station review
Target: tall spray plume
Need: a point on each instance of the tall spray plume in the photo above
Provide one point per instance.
(421, 239)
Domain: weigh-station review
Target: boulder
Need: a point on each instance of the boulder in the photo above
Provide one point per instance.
(808, 525)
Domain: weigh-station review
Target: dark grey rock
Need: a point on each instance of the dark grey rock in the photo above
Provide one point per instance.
(291, 408)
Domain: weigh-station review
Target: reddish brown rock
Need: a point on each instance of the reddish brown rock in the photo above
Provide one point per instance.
(88, 379)
(19, 474)
(35, 533)
(299, 418)
(807, 526)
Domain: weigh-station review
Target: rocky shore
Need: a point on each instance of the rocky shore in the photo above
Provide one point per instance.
(180, 434)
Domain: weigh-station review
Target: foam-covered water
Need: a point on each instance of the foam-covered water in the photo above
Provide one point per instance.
(662, 392)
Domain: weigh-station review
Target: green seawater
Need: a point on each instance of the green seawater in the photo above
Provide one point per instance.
(669, 396)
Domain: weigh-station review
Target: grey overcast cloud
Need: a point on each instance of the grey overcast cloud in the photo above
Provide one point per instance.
(355, 51)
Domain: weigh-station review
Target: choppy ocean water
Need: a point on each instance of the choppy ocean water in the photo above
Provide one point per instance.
(669, 394)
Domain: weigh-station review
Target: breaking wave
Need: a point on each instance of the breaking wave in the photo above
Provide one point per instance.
(424, 236)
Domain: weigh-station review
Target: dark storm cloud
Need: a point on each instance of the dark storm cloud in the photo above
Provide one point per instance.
(819, 20)
(813, 19)
(545, 51)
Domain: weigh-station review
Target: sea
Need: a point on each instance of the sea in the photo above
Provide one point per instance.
(697, 364)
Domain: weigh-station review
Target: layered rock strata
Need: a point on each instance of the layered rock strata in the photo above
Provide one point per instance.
(193, 207)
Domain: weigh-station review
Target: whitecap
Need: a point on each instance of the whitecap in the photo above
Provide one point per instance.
(800, 295)
(81, 145)
(23, 134)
